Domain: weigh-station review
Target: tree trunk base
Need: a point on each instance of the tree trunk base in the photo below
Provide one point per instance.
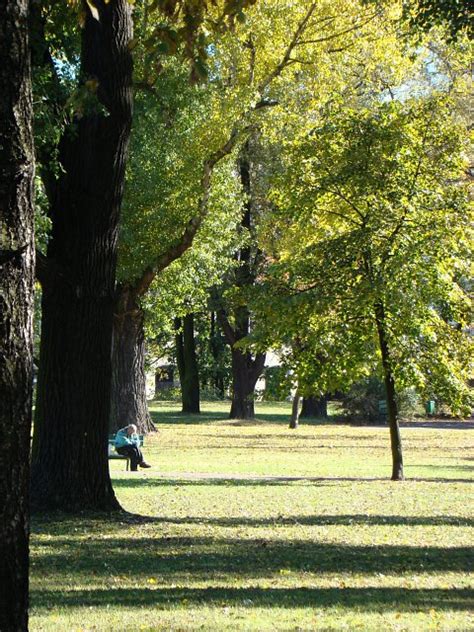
(45, 496)
(398, 476)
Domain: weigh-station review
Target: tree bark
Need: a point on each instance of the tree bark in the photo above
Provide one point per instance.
(392, 409)
(295, 411)
(314, 407)
(16, 309)
(217, 356)
(245, 373)
(187, 364)
(70, 465)
(245, 369)
(128, 401)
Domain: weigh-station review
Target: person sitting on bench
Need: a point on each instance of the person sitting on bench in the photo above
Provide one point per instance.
(127, 443)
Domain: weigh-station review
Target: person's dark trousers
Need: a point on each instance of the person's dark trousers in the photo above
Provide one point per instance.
(134, 454)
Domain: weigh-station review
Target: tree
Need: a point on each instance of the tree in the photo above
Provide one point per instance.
(187, 363)
(382, 190)
(69, 465)
(236, 321)
(16, 309)
(313, 51)
(246, 69)
(314, 407)
(173, 208)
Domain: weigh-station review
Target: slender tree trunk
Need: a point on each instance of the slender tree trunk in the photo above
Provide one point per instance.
(392, 409)
(314, 407)
(128, 401)
(70, 465)
(187, 364)
(216, 352)
(295, 411)
(16, 310)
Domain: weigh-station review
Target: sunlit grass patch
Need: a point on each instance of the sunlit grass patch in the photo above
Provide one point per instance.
(258, 527)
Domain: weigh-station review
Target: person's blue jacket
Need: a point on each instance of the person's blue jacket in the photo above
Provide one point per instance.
(122, 439)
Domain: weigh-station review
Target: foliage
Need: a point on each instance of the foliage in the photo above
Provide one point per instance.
(377, 213)
(362, 401)
(213, 358)
(178, 125)
(277, 388)
(455, 15)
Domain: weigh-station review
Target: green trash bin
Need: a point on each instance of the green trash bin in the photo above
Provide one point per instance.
(383, 412)
(430, 407)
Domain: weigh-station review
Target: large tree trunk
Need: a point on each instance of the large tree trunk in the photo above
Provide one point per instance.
(128, 401)
(70, 465)
(314, 407)
(245, 373)
(187, 364)
(392, 409)
(16, 310)
(245, 369)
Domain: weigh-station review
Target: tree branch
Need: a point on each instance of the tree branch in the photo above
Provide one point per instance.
(227, 328)
(185, 241)
(286, 57)
(333, 36)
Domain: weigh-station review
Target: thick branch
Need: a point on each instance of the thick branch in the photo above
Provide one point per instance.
(185, 241)
(258, 365)
(227, 328)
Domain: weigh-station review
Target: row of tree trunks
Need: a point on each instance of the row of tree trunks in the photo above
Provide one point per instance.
(16, 309)
(187, 364)
(128, 397)
(69, 461)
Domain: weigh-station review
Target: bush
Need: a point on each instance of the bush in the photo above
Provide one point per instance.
(361, 402)
(169, 394)
(210, 393)
(409, 403)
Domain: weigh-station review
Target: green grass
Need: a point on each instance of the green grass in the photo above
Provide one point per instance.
(257, 527)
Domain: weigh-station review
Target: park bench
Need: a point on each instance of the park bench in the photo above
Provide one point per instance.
(113, 454)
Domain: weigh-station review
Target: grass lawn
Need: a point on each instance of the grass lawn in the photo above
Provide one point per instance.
(254, 526)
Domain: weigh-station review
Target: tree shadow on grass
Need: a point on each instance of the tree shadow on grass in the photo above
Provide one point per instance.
(178, 418)
(364, 599)
(317, 520)
(259, 481)
(62, 524)
(178, 558)
(465, 468)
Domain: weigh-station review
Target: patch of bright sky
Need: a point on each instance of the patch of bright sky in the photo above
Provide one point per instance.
(430, 77)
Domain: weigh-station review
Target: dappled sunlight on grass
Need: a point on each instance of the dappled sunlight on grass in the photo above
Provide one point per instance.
(257, 527)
